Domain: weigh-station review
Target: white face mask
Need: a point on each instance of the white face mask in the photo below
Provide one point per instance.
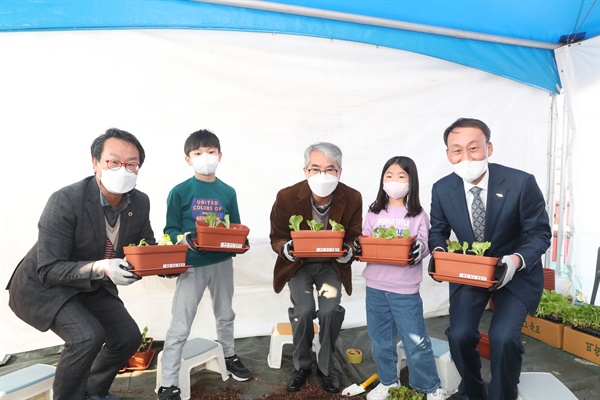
(471, 170)
(396, 190)
(323, 184)
(119, 181)
(205, 164)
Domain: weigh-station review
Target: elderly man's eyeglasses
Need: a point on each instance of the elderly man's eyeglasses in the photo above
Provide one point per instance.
(115, 165)
(315, 171)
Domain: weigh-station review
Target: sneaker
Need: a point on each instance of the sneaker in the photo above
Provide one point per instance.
(381, 391)
(107, 396)
(236, 369)
(169, 393)
(439, 394)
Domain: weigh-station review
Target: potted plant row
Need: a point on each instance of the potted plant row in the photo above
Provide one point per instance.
(214, 234)
(581, 336)
(315, 241)
(386, 246)
(577, 327)
(469, 269)
(162, 258)
(547, 323)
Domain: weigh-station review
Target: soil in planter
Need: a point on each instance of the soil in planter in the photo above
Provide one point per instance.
(589, 331)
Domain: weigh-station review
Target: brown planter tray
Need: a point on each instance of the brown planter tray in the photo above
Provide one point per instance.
(381, 250)
(220, 249)
(321, 242)
(312, 254)
(222, 239)
(392, 261)
(543, 330)
(465, 269)
(161, 271)
(581, 344)
(156, 257)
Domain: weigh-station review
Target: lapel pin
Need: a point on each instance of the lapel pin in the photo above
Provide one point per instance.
(130, 214)
(499, 195)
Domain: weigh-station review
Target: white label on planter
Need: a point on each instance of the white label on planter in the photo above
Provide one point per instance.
(231, 245)
(174, 265)
(327, 249)
(476, 277)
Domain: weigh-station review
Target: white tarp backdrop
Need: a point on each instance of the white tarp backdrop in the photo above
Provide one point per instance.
(579, 66)
(267, 97)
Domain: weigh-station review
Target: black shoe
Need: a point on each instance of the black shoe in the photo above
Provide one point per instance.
(297, 379)
(330, 382)
(169, 393)
(236, 369)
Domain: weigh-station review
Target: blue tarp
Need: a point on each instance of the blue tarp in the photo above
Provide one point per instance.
(539, 20)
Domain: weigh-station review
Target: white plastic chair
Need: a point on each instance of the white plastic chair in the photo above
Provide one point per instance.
(196, 352)
(281, 334)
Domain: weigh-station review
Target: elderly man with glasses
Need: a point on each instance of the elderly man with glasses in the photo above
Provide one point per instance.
(321, 197)
(67, 281)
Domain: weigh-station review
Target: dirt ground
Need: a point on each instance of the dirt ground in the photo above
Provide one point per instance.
(580, 376)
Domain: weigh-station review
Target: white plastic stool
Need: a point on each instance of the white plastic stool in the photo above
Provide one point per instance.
(281, 334)
(449, 376)
(542, 386)
(28, 382)
(196, 352)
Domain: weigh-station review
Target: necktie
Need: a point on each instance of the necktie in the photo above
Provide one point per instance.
(478, 214)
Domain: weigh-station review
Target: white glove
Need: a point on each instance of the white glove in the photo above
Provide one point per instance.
(117, 269)
(510, 267)
(346, 258)
(187, 239)
(286, 251)
(416, 252)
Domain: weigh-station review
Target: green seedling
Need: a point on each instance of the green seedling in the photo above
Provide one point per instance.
(314, 225)
(480, 247)
(295, 221)
(336, 226)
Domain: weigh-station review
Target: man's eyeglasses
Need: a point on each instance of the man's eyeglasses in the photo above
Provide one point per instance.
(315, 171)
(115, 165)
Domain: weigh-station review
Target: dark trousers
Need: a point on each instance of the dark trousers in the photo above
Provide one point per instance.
(100, 336)
(466, 308)
(326, 280)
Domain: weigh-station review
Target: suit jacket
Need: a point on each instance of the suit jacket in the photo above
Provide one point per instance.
(516, 221)
(71, 236)
(346, 209)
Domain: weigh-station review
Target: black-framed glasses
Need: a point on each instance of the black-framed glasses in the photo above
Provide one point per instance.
(115, 165)
(315, 171)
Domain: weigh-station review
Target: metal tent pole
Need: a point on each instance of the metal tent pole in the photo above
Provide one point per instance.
(382, 22)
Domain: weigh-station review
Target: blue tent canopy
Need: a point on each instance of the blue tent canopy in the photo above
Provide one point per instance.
(513, 39)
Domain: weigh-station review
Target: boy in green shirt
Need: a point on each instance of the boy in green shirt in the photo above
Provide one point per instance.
(197, 197)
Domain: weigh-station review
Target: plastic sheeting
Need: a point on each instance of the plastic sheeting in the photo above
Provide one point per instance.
(580, 70)
(267, 97)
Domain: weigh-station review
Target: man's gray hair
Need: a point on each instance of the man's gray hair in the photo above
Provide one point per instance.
(329, 150)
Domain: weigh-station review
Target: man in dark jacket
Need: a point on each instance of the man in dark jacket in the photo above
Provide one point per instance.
(67, 281)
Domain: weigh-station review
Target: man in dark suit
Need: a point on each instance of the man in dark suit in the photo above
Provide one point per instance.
(66, 282)
(513, 210)
(320, 197)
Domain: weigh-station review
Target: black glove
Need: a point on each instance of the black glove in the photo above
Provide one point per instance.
(169, 276)
(287, 248)
(187, 239)
(247, 245)
(357, 247)
(508, 268)
(431, 267)
(347, 257)
(416, 252)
